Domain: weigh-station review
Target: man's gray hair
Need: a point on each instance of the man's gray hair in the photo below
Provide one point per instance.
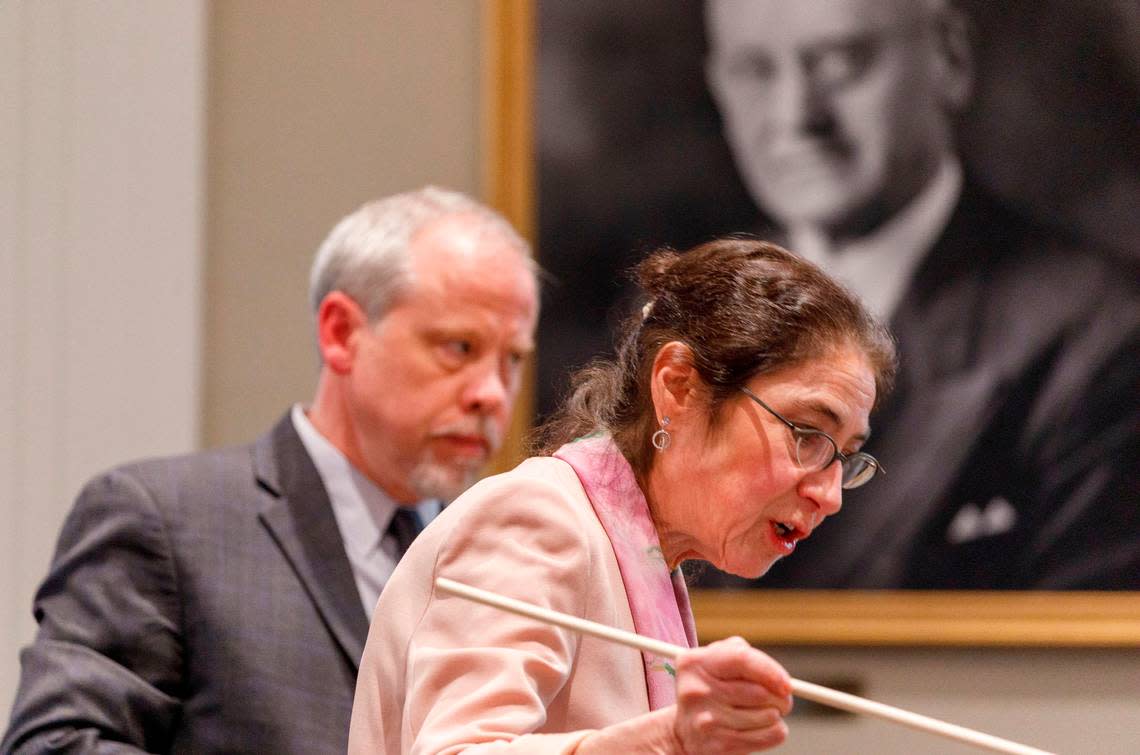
(366, 255)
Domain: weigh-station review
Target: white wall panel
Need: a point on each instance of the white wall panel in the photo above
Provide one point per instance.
(101, 150)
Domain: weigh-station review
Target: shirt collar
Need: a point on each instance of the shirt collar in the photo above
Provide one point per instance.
(362, 510)
(878, 267)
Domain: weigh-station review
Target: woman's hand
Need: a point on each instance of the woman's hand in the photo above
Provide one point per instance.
(731, 698)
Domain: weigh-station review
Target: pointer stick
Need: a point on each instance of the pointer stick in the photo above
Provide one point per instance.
(806, 690)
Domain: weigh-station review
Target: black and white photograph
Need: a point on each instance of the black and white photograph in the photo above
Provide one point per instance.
(971, 170)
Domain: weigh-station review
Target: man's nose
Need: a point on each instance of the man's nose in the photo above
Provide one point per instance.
(798, 104)
(487, 392)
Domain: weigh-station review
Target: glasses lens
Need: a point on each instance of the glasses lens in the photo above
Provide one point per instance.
(858, 470)
(813, 449)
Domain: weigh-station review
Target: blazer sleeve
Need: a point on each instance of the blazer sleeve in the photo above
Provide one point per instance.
(104, 670)
(479, 680)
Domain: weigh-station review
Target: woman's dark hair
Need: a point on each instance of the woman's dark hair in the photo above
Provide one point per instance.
(744, 307)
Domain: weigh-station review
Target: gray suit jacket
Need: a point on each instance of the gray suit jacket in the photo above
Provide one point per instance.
(196, 604)
(1011, 443)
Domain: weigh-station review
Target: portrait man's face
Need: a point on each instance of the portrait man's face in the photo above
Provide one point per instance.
(837, 111)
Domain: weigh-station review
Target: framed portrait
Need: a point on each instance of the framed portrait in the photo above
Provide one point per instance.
(611, 129)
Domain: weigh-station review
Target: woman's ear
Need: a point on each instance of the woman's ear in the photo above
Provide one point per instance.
(674, 381)
(339, 318)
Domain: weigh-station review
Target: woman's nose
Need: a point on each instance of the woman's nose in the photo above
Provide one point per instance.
(825, 488)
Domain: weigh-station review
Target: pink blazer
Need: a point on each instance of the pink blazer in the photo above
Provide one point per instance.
(443, 675)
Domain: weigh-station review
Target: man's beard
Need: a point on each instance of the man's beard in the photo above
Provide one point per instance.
(432, 479)
(444, 480)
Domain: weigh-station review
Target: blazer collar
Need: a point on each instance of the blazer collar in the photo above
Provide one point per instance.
(300, 520)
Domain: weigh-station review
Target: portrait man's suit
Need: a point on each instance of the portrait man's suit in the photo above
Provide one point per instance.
(196, 604)
(1010, 443)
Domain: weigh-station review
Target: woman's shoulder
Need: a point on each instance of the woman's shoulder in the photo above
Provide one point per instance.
(545, 470)
(540, 494)
(534, 520)
(543, 476)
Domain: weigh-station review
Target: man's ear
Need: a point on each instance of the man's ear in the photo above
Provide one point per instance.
(955, 57)
(339, 319)
(674, 381)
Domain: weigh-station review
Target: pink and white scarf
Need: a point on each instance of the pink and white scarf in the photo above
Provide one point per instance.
(658, 598)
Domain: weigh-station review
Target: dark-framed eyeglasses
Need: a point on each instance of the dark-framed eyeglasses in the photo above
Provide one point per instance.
(815, 450)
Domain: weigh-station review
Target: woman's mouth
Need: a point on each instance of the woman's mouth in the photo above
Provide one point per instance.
(787, 535)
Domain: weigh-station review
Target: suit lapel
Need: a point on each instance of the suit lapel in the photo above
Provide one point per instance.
(299, 518)
(949, 391)
(946, 396)
(945, 419)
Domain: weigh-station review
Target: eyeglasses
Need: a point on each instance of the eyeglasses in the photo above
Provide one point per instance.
(816, 450)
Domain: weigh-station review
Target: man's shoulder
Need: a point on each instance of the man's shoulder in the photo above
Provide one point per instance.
(982, 217)
(1051, 270)
(180, 470)
(1007, 250)
(1020, 287)
(178, 479)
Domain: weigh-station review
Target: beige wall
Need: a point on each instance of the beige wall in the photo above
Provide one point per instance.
(315, 108)
(101, 133)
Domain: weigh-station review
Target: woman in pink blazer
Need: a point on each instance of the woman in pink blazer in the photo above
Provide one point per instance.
(724, 431)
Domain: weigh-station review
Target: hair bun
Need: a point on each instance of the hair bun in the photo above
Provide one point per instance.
(653, 272)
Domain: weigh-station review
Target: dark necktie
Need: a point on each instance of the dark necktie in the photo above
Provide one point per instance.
(404, 527)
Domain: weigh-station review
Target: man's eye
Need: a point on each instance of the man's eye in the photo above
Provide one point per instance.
(841, 64)
(458, 348)
(755, 70)
(752, 69)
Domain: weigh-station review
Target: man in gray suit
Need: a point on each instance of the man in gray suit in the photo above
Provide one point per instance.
(1010, 441)
(219, 602)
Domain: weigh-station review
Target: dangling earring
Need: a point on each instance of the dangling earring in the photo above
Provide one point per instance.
(661, 438)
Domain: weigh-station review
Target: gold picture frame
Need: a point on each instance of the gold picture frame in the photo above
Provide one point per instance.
(778, 617)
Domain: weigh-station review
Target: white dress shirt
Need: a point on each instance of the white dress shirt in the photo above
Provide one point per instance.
(878, 267)
(362, 510)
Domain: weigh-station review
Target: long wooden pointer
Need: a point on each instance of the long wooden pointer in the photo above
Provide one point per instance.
(806, 690)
